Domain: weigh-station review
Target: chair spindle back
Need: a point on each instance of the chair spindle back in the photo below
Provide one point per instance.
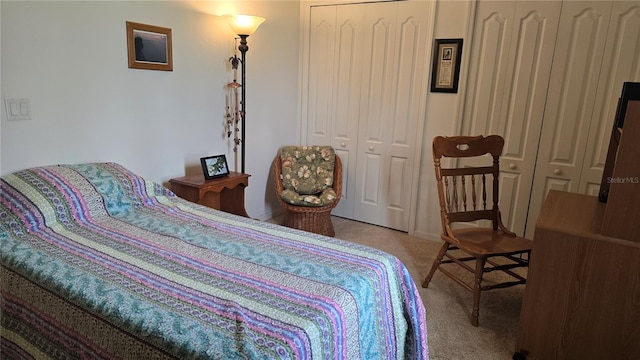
(463, 191)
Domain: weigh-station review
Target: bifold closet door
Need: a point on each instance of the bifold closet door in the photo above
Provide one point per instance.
(333, 97)
(546, 76)
(395, 72)
(621, 62)
(368, 70)
(510, 63)
(598, 48)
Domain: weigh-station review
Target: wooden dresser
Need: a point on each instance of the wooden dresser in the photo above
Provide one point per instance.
(582, 298)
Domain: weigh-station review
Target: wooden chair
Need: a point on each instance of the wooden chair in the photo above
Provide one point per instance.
(308, 217)
(463, 199)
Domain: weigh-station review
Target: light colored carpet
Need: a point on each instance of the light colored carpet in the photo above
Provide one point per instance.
(448, 305)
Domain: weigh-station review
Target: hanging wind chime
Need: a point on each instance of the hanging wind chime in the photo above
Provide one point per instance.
(233, 109)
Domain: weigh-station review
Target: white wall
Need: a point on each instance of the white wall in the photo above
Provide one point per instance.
(454, 19)
(69, 58)
(71, 62)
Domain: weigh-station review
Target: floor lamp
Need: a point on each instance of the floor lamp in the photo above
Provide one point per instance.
(243, 26)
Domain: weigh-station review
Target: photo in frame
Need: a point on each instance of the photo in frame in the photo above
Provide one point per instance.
(214, 166)
(149, 47)
(445, 72)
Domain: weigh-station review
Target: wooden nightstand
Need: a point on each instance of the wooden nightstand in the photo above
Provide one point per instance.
(224, 193)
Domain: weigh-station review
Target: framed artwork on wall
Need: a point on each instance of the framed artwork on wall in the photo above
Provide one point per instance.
(445, 72)
(149, 47)
(214, 166)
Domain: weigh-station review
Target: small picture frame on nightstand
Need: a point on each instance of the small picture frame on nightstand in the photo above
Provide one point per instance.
(214, 166)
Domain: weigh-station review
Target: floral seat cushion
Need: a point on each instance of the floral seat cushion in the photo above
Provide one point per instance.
(307, 175)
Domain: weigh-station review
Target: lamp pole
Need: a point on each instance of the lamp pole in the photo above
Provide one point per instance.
(243, 51)
(243, 26)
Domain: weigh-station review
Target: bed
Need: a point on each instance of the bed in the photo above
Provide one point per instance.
(99, 263)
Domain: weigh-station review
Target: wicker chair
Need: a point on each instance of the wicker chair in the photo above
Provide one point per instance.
(312, 212)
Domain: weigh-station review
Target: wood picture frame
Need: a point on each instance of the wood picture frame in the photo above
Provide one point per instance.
(445, 71)
(214, 166)
(149, 47)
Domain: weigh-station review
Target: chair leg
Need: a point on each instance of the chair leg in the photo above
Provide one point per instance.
(436, 263)
(477, 284)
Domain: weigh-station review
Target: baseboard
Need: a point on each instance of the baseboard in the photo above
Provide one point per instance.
(427, 236)
(270, 216)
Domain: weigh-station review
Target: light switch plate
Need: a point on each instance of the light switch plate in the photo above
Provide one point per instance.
(18, 109)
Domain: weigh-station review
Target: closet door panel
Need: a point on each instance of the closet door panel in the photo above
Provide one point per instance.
(349, 59)
(522, 112)
(511, 64)
(574, 81)
(398, 200)
(532, 65)
(509, 183)
(557, 184)
(333, 92)
(377, 91)
(570, 100)
(621, 63)
(321, 87)
(398, 172)
(373, 94)
(491, 41)
(394, 90)
(408, 110)
(348, 74)
(371, 180)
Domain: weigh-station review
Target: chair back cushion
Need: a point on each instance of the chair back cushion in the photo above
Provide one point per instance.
(307, 170)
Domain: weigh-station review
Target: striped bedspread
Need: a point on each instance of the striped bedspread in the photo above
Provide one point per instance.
(99, 263)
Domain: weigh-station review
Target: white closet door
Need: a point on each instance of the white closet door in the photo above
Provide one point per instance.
(570, 103)
(393, 90)
(320, 92)
(621, 63)
(348, 73)
(367, 87)
(511, 59)
(335, 70)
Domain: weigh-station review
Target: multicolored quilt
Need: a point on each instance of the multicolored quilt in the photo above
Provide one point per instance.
(98, 263)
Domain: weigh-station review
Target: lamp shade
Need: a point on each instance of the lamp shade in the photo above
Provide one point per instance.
(244, 24)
